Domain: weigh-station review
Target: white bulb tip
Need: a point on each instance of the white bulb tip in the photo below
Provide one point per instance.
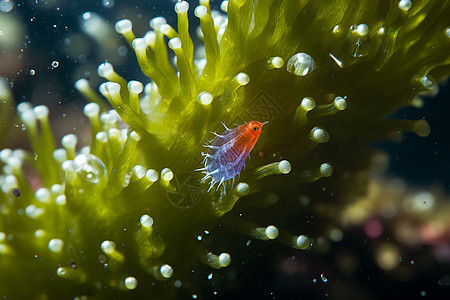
(271, 232)
(139, 44)
(200, 11)
(105, 69)
(152, 175)
(175, 43)
(181, 7)
(242, 78)
(167, 174)
(146, 221)
(123, 26)
(130, 282)
(56, 245)
(205, 98)
(340, 103)
(224, 259)
(91, 110)
(326, 169)
(284, 166)
(69, 141)
(41, 112)
(166, 271)
(308, 103)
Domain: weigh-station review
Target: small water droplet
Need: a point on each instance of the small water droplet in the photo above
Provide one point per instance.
(323, 276)
(108, 3)
(210, 276)
(6, 5)
(89, 167)
(301, 64)
(314, 280)
(55, 64)
(32, 72)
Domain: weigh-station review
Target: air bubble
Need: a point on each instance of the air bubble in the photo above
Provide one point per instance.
(323, 276)
(89, 167)
(32, 72)
(301, 64)
(108, 3)
(6, 5)
(55, 64)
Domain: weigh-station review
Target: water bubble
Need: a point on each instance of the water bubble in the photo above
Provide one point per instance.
(301, 64)
(89, 167)
(108, 3)
(32, 72)
(323, 276)
(1, 32)
(55, 64)
(6, 5)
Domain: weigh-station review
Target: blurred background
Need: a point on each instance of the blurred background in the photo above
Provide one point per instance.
(401, 253)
